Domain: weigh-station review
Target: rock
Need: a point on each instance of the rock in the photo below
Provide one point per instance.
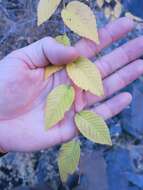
(132, 119)
(118, 163)
(37, 187)
(72, 181)
(136, 156)
(134, 6)
(116, 131)
(125, 168)
(135, 179)
(93, 172)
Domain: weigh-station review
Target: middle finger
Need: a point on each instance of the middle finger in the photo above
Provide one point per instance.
(120, 57)
(117, 81)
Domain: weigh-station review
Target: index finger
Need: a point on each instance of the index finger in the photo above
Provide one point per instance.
(107, 35)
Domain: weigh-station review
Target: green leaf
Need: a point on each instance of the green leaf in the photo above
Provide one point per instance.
(63, 39)
(80, 19)
(45, 9)
(86, 75)
(59, 101)
(68, 159)
(93, 127)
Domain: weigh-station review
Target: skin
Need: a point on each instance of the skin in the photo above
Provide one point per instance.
(23, 89)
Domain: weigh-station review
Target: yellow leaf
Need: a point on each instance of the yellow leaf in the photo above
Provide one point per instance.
(50, 70)
(63, 39)
(85, 75)
(58, 103)
(117, 1)
(45, 9)
(129, 15)
(108, 1)
(108, 12)
(117, 10)
(100, 3)
(93, 127)
(112, 18)
(79, 18)
(68, 159)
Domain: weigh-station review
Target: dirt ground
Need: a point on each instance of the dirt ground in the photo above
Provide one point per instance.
(116, 168)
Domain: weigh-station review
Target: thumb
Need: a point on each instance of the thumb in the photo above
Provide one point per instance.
(46, 51)
(58, 54)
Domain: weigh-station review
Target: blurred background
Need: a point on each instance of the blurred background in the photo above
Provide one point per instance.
(101, 168)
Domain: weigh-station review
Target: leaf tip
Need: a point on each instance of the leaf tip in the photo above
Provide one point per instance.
(102, 93)
(110, 142)
(97, 41)
(47, 126)
(38, 23)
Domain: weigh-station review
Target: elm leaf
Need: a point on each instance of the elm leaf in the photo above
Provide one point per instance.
(86, 76)
(80, 19)
(117, 9)
(50, 70)
(59, 101)
(93, 127)
(45, 9)
(63, 39)
(108, 12)
(100, 3)
(68, 159)
(133, 17)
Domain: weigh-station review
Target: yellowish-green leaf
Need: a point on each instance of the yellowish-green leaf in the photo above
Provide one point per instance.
(108, 12)
(100, 3)
(117, 9)
(93, 127)
(50, 70)
(63, 39)
(80, 19)
(129, 15)
(85, 75)
(108, 1)
(59, 101)
(45, 9)
(68, 159)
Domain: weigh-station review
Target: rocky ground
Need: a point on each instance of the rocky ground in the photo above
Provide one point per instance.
(116, 168)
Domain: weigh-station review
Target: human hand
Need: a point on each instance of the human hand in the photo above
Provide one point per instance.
(24, 90)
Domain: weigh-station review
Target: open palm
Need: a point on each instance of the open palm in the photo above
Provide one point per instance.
(24, 89)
